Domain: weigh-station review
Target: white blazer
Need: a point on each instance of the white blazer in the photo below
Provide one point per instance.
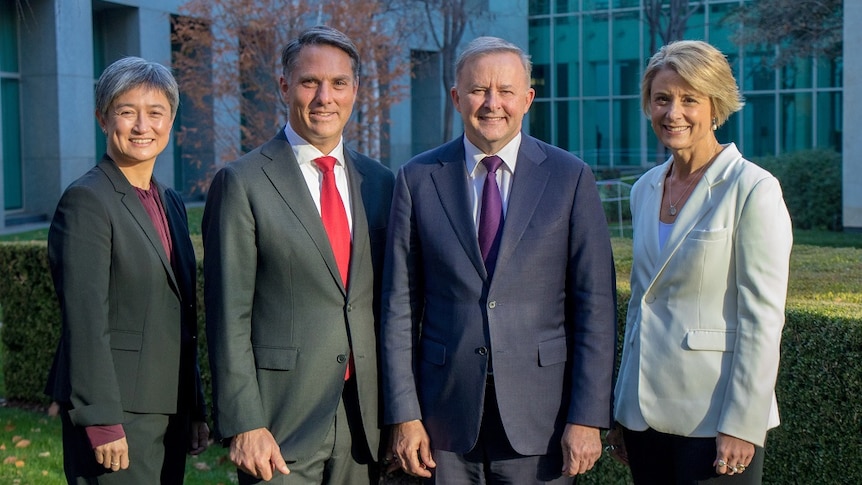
(704, 322)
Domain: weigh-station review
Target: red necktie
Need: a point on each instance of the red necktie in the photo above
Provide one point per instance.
(335, 222)
(334, 216)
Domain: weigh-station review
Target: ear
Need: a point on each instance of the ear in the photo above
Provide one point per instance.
(456, 98)
(102, 121)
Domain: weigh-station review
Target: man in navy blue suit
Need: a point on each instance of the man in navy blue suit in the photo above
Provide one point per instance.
(498, 348)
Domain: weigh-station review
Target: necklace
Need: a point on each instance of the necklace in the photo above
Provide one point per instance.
(672, 210)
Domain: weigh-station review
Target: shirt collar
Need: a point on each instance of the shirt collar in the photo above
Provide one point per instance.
(305, 152)
(509, 154)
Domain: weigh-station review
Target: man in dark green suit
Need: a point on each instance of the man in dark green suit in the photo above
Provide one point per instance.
(291, 325)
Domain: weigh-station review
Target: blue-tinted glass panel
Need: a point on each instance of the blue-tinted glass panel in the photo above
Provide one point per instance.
(8, 37)
(540, 52)
(627, 59)
(539, 120)
(729, 131)
(695, 25)
(597, 142)
(720, 32)
(797, 75)
(627, 128)
(829, 126)
(797, 116)
(758, 73)
(590, 5)
(566, 6)
(539, 7)
(567, 56)
(568, 126)
(830, 72)
(11, 124)
(596, 55)
(758, 126)
(625, 3)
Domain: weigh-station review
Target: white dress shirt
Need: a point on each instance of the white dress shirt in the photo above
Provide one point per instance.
(477, 173)
(305, 154)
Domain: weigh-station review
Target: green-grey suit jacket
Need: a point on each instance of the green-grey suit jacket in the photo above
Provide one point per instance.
(280, 324)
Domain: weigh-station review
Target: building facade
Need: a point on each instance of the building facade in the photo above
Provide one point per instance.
(588, 58)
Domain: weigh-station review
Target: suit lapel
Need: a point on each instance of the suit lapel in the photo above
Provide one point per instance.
(528, 185)
(284, 173)
(699, 204)
(450, 179)
(358, 193)
(130, 200)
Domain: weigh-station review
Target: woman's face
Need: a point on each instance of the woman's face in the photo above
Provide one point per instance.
(137, 126)
(681, 117)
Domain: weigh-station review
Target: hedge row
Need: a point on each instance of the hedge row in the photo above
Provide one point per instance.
(819, 382)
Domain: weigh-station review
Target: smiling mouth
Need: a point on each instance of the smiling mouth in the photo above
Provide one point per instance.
(676, 129)
(142, 141)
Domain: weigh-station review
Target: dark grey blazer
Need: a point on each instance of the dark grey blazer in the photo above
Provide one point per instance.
(280, 324)
(548, 316)
(125, 309)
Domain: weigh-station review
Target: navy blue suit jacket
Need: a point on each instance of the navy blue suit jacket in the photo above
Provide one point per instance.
(547, 318)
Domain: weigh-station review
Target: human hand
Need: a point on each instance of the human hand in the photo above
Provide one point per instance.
(617, 445)
(582, 447)
(256, 452)
(200, 436)
(411, 448)
(732, 455)
(114, 455)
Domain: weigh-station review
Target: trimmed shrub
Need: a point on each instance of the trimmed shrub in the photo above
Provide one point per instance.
(811, 182)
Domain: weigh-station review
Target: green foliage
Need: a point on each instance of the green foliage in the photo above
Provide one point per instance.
(31, 319)
(811, 182)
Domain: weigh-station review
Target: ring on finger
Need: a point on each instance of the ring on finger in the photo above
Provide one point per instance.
(722, 463)
(740, 468)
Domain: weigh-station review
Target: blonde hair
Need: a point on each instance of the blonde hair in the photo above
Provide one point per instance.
(703, 67)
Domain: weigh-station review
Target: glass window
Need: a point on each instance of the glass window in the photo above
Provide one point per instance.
(8, 37)
(628, 119)
(829, 125)
(829, 72)
(627, 58)
(796, 122)
(10, 122)
(567, 56)
(695, 25)
(720, 32)
(540, 52)
(595, 5)
(539, 7)
(797, 74)
(596, 131)
(596, 55)
(759, 126)
(539, 120)
(568, 126)
(729, 131)
(758, 73)
(566, 6)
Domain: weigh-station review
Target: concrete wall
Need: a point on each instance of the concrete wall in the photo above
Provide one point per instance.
(852, 149)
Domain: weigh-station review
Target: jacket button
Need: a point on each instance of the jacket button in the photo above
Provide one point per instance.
(649, 298)
(349, 307)
(341, 358)
(492, 304)
(482, 350)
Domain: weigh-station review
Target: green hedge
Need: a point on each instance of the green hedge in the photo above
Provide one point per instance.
(819, 382)
(811, 182)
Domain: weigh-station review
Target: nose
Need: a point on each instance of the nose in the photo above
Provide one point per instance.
(142, 123)
(673, 110)
(492, 99)
(324, 93)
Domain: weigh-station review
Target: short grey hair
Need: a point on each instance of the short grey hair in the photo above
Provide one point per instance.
(319, 35)
(482, 46)
(133, 72)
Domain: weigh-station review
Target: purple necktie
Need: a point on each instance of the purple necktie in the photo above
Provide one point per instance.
(491, 215)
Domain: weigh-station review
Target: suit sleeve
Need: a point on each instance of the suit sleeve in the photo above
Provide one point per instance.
(229, 286)
(80, 245)
(401, 309)
(591, 308)
(763, 242)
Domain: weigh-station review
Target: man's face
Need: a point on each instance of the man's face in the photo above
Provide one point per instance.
(320, 95)
(492, 94)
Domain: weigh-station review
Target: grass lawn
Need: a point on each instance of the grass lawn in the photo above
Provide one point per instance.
(825, 268)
